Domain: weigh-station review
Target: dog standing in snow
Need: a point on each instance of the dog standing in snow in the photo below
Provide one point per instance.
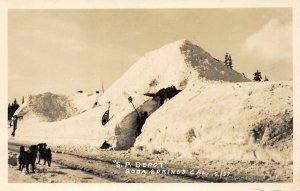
(22, 158)
(27, 158)
(44, 153)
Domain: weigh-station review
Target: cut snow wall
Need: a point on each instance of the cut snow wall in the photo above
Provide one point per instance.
(125, 131)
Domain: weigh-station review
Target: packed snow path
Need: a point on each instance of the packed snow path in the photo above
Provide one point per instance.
(104, 171)
(107, 165)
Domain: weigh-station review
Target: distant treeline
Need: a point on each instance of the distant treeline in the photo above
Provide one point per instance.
(12, 108)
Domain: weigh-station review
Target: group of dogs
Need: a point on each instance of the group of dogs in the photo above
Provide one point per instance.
(29, 157)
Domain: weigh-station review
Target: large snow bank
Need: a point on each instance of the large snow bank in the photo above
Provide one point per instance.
(208, 111)
(244, 121)
(168, 66)
(54, 107)
(53, 118)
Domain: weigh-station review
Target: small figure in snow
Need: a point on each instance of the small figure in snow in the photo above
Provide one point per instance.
(14, 121)
(140, 122)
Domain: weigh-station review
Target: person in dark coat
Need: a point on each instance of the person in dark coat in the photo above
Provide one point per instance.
(15, 124)
(140, 122)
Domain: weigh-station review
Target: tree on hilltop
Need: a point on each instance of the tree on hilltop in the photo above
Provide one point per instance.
(12, 108)
(266, 79)
(257, 76)
(228, 61)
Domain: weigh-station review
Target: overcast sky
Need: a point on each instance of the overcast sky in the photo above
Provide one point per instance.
(63, 51)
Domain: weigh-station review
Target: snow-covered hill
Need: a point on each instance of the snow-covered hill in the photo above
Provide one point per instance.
(51, 107)
(214, 108)
(240, 121)
(175, 64)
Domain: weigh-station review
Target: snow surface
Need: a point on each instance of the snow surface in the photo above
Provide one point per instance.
(43, 114)
(214, 114)
(218, 120)
(54, 107)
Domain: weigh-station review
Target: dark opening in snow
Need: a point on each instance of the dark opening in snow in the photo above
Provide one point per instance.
(108, 143)
(164, 94)
(131, 126)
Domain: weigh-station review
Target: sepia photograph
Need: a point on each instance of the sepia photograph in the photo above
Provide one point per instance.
(160, 95)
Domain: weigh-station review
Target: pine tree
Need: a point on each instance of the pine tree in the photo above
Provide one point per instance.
(266, 79)
(257, 76)
(226, 59)
(15, 102)
(230, 62)
(12, 108)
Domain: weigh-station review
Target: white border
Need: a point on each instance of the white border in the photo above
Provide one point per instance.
(151, 4)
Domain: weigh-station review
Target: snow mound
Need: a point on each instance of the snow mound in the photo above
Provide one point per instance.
(51, 107)
(240, 121)
(171, 65)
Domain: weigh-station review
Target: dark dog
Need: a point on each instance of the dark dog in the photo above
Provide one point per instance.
(48, 156)
(44, 153)
(27, 158)
(22, 158)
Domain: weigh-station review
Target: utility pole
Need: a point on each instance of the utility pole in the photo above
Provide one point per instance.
(102, 87)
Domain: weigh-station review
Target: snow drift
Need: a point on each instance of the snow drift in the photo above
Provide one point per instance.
(206, 109)
(53, 107)
(52, 118)
(240, 121)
